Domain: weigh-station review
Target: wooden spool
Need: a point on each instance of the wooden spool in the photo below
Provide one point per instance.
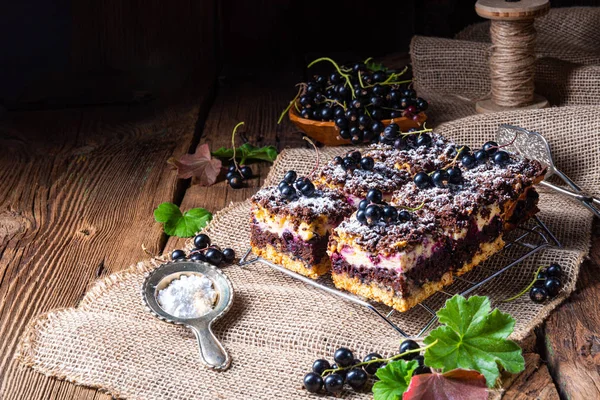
(503, 10)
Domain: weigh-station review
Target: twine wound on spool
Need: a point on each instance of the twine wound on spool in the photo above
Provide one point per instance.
(512, 63)
(512, 58)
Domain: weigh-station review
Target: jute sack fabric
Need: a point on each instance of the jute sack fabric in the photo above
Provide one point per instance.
(278, 326)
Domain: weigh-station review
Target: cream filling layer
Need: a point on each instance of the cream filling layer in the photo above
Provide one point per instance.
(280, 224)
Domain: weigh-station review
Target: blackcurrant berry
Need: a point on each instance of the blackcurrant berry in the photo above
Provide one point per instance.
(231, 174)
(390, 133)
(468, 161)
(334, 383)
(201, 241)
(341, 122)
(554, 270)
(300, 182)
(538, 294)
(338, 160)
(306, 113)
(423, 140)
(282, 184)
(552, 286)
(372, 368)
(357, 138)
(357, 378)
(400, 143)
(377, 127)
(288, 192)
(421, 104)
(228, 255)
(420, 359)
(541, 275)
(246, 172)
(375, 196)
(214, 256)
(349, 163)
(320, 365)
(364, 120)
(290, 177)
(390, 213)
(500, 157)
(454, 175)
(373, 213)
(422, 180)
(343, 357)
(410, 93)
(232, 168)
(177, 254)
(439, 177)
(308, 189)
(404, 215)
(363, 204)
(236, 182)
(345, 134)
(481, 156)
(463, 150)
(408, 345)
(361, 216)
(490, 147)
(358, 67)
(313, 382)
(356, 155)
(197, 256)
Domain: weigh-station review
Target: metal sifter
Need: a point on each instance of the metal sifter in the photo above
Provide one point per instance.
(534, 146)
(212, 352)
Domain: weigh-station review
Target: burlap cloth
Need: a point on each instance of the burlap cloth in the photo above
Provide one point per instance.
(278, 326)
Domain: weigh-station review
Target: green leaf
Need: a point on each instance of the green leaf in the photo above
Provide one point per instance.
(394, 379)
(248, 152)
(181, 225)
(474, 338)
(373, 66)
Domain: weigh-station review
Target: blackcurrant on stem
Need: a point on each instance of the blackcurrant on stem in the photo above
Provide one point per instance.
(379, 360)
(337, 67)
(301, 88)
(455, 159)
(233, 145)
(535, 274)
(317, 151)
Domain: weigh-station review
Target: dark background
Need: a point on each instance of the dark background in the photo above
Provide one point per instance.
(63, 53)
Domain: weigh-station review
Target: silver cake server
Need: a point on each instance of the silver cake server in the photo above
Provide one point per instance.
(534, 146)
(212, 352)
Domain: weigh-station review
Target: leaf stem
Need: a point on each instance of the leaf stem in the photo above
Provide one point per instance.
(528, 286)
(233, 145)
(380, 360)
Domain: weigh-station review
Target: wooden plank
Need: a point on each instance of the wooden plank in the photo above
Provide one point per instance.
(572, 334)
(533, 383)
(77, 192)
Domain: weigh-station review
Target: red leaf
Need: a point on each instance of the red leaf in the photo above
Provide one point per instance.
(200, 166)
(458, 384)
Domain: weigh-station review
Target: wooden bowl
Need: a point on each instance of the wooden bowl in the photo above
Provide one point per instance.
(326, 132)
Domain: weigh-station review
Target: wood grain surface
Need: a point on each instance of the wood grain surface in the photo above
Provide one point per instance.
(77, 191)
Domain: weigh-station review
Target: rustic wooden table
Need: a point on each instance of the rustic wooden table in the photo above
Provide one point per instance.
(78, 187)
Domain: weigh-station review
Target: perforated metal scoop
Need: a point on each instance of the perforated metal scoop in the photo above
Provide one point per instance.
(534, 146)
(212, 352)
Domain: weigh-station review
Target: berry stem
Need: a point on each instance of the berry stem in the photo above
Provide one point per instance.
(337, 67)
(424, 130)
(380, 360)
(362, 85)
(233, 145)
(413, 209)
(509, 143)
(301, 87)
(336, 102)
(527, 288)
(317, 151)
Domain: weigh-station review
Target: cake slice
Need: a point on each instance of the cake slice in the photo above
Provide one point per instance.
(293, 231)
(355, 181)
(453, 228)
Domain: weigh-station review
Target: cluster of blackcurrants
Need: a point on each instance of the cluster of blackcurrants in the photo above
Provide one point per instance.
(353, 371)
(237, 175)
(373, 209)
(547, 284)
(413, 138)
(355, 160)
(290, 184)
(204, 251)
(490, 150)
(439, 178)
(357, 105)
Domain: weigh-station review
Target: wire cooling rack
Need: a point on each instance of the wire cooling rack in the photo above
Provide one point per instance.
(520, 244)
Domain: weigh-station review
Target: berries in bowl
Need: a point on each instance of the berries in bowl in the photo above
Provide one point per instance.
(354, 104)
